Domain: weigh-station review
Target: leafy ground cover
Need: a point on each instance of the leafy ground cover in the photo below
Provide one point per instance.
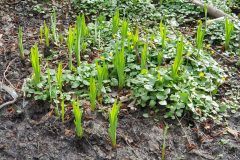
(143, 57)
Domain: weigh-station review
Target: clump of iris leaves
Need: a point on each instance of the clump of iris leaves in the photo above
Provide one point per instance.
(199, 75)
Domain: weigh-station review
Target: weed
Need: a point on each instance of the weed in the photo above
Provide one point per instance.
(229, 27)
(93, 93)
(20, 42)
(113, 120)
(78, 118)
(35, 64)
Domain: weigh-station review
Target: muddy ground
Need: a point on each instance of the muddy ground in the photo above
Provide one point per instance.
(28, 130)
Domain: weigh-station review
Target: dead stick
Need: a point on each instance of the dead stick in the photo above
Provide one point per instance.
(4, 74)
(10, 91)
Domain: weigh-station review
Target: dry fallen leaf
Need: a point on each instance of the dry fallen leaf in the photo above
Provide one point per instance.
(233, 132)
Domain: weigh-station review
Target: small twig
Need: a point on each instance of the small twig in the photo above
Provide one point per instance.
(202, 154)
(13, 3)
(188, 139)
(10, 91)
(4, 74)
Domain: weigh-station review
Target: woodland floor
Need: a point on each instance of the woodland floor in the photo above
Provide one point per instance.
(28, 131)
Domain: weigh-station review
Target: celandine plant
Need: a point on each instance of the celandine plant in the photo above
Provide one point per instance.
(113, 121)
(78, 118)
(35, 64)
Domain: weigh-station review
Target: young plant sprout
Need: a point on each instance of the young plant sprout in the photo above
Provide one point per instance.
(178, 58)
(56, 109)
(144, 56)
(115, 23)
(54, 26)
(113, 121)
(105, 69)
(160, 58)
(46, 33)
(102, 73)
(205, 8)
(81, 31)
(164, 141)
(61, 38)
(59, 77)
(200, 36)
(163, 33)
(93, 93)
(77, 44)
(119, 65)
(135, 38)
(41, 34)
(78, 118)
(70, 41)
(124, 29)
(95, 31)
(62, 109)
(229, 27)
(49, 84)
(35, 64)
(20, 42)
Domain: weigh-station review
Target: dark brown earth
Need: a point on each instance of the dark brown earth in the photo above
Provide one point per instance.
(29, 130)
